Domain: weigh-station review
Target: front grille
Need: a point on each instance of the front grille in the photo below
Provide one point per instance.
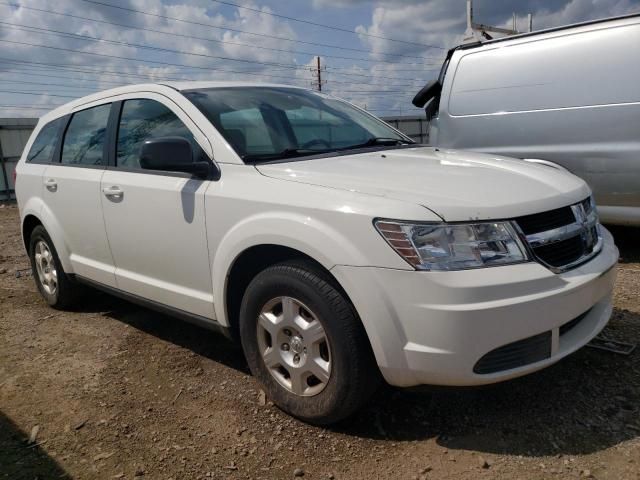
(516, 354)
(561, 253)
(541, 222)
(563, 238)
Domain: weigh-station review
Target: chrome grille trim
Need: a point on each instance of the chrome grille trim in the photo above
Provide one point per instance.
(585, 226)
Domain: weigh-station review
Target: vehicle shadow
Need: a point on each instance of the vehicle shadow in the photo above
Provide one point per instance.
(628, 241)
(200, 341)
(587, 402)
(20, 460)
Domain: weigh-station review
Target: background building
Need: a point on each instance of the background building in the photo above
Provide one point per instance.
(14, 134)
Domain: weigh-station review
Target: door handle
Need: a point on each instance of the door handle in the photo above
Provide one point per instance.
(51, 184)
(113, 191)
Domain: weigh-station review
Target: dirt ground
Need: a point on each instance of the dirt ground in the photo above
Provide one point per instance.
(112, 390)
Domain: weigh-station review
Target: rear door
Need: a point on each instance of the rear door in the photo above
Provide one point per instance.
(155, 220)
(72, 193)
(29, 172)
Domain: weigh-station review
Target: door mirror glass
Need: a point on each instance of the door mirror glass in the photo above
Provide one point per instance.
(171, 154)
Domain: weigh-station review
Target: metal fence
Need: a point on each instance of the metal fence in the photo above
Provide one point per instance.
(14, 134)
(416, 127)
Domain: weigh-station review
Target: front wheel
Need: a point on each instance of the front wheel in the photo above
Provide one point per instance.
(305, 344)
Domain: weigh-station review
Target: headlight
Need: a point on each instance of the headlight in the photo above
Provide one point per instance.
(456, 246)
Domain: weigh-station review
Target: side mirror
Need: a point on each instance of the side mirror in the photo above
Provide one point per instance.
(429, 91)
(172, 154)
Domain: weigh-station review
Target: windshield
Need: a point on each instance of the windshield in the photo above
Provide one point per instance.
(269, 123)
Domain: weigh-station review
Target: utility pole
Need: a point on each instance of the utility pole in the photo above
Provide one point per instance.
(477, 32)
(317, 71)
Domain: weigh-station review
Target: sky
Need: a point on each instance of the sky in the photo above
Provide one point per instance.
(377, 54)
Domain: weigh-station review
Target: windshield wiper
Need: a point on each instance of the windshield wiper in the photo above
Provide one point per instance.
(385, 141)
(301, 152)
(286, 153)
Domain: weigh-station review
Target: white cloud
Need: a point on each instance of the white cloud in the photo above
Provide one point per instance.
(198, 52)
(417, 23)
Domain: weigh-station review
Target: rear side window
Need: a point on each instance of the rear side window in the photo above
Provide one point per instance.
(85, 138)
(142, 120)
(45, 143)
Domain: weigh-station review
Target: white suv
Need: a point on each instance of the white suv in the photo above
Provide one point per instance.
(338, 251)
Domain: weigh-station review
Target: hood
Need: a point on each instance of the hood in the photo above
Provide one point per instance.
(456, 185)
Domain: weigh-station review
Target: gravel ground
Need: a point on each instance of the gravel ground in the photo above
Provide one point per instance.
(112, 390)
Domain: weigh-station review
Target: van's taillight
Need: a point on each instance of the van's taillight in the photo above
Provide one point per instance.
(15, 175)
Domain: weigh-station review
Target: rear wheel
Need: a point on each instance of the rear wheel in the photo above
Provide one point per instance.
(305, 344)
(52, 282)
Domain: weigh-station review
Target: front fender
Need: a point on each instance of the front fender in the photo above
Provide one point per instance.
(313, 237)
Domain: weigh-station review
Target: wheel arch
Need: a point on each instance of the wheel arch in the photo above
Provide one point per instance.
(251, 261)
(279, 236)
(38, 213)
(29, 223)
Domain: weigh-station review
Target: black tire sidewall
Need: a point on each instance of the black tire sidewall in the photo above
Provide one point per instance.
(40, 234)
(327, 406)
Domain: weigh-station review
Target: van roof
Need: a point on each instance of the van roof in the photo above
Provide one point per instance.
(547, 30)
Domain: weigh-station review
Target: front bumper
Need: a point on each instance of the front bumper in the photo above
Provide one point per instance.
(434, 327)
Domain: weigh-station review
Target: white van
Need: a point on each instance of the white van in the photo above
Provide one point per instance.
(569, 95)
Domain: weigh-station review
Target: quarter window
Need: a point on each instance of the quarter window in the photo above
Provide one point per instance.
(85, 138)
(45, 143)
(142, 120)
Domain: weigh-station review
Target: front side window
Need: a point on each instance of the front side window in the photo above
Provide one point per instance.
(266, 123)
(85, 138)
(45, 143)
(144, 119)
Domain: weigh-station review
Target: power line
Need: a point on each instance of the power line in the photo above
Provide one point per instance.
(74, 68)
(69, 68)
(38, 93)
(42, 107)
(150, 47)
(308, 22)
(227, 42)
(209, 69)
(46, 31)
(38, 72)
(210, 25)
(152, 61)
(48, 84)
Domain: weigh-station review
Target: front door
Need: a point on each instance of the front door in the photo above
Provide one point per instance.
(155, 220)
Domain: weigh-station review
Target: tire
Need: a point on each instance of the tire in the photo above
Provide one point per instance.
(59, 293)
(348, 375)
